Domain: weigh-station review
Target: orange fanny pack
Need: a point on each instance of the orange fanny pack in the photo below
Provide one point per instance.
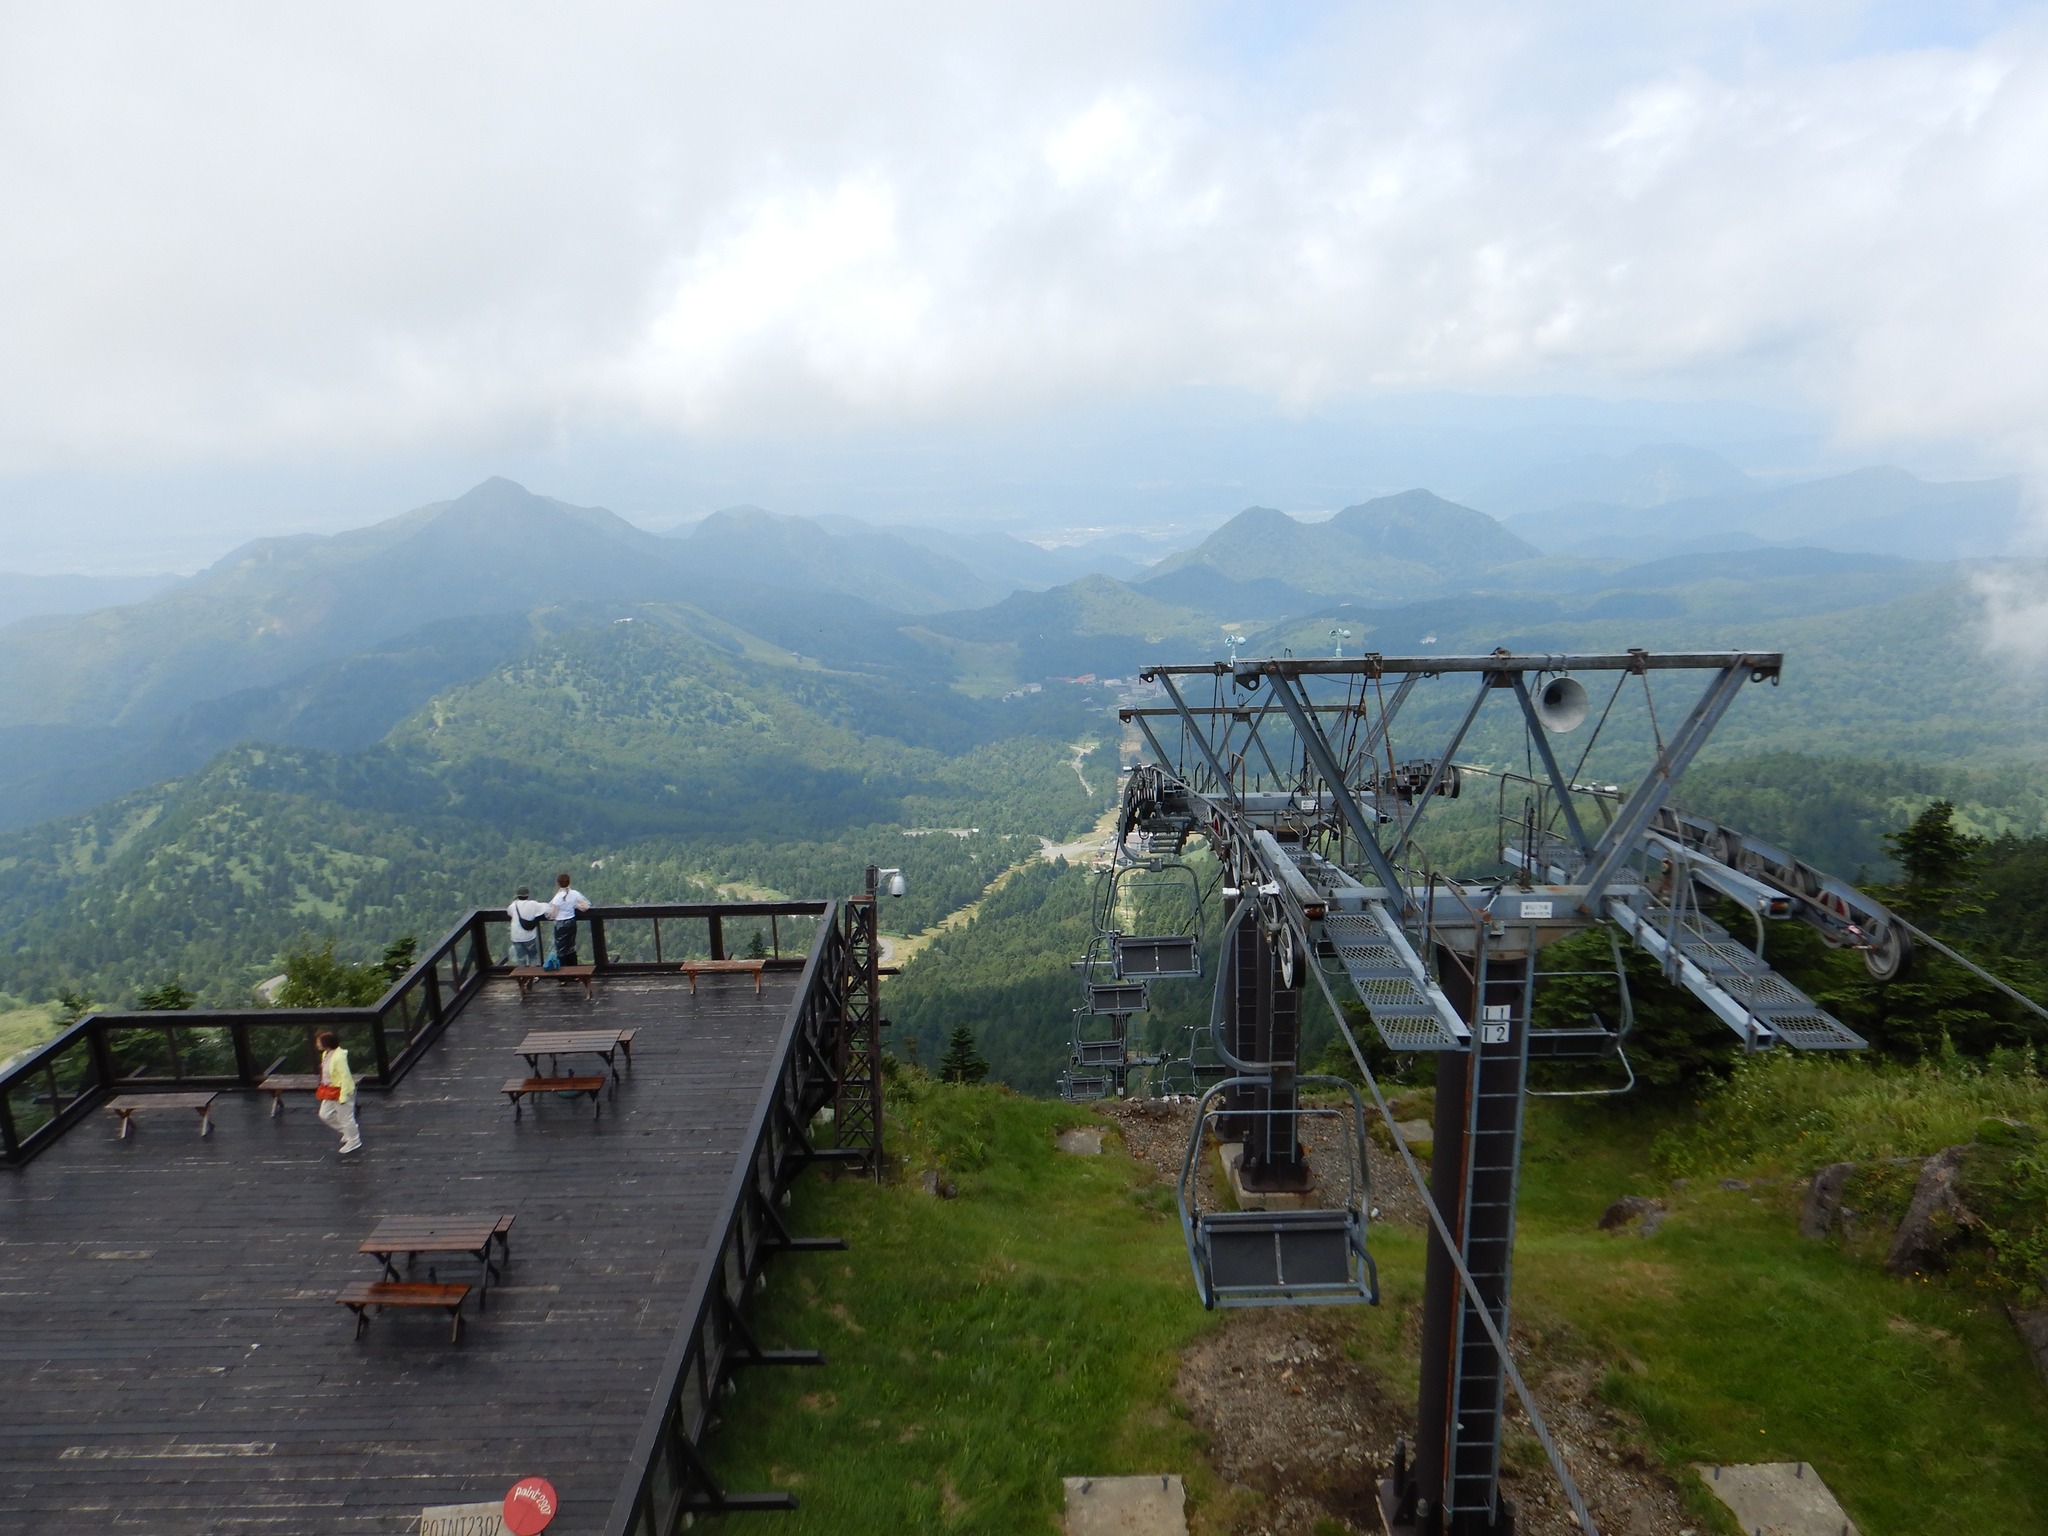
(327, 1091)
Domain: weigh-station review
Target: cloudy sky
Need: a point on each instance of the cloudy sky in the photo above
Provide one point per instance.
(259, 264)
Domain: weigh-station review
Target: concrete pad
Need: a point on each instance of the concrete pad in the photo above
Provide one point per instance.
(1081, 1140)
(1126, 1506)
(1419, 1134)
(1260, 1199)
(1778, 1498)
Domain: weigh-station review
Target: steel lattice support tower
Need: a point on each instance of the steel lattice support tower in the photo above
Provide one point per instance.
(1288, 768)
(857, 1104)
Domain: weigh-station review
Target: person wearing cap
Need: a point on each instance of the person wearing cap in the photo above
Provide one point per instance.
(526, 914)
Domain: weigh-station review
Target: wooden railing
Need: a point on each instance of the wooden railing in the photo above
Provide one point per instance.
(45, 1093)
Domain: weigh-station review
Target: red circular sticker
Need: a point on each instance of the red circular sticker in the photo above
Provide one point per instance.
(530, 1506)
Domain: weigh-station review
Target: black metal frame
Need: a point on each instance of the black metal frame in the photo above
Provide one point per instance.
(670, 1479)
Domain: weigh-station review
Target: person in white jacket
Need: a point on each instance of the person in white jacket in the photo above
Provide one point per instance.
(337, 1091)
(568, 902)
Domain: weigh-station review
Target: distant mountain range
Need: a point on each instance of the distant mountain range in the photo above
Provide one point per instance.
(1671, 499)
(331, 642)
(375, 728)
(28, 597)
(1397, 546)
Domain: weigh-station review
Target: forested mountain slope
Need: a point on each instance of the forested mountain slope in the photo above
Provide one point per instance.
(673, 761)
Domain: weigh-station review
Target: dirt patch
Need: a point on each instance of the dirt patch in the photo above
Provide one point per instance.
(1155, 1132)
(1620, 1478)
(1293, 1418)
(1290, 1414)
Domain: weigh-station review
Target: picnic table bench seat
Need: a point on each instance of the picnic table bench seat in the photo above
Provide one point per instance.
(278, 1084)
(129, 1105)
(527, 975)
(695, 968)
(365, 1294)
(517, 1089)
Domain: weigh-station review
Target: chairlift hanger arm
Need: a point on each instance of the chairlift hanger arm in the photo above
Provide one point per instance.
(1383, 723)
(1190, 726)
(1310, 732)
(1619, 841)
(1437, 770)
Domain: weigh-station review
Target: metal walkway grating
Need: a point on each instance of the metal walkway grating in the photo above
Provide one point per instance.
(1743, 976)
(1407, 1009)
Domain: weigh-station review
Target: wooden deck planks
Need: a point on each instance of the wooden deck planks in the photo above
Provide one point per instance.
(171, 1358)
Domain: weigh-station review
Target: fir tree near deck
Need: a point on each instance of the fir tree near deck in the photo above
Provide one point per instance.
(962, 1063)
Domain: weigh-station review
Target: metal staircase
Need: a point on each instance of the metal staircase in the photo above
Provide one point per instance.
(1409, 1010)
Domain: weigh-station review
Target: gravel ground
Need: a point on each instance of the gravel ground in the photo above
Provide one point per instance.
(1303, 1432)
(1155, 1131)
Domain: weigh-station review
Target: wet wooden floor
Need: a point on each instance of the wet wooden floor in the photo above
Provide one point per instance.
(172, 1360)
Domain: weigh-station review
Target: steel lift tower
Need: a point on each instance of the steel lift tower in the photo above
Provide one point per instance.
(1287, 769)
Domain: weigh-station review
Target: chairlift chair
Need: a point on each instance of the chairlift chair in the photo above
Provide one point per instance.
(1300, 1257)
(1079, 1087)
(1157, 957)
(1117, 997)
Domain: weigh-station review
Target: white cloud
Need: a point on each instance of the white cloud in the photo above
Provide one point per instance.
(241, 231)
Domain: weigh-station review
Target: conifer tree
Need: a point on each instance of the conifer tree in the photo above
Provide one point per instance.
(172, 996)
(962, 1063)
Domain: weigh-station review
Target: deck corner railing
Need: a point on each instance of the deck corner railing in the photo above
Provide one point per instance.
(50, 1089)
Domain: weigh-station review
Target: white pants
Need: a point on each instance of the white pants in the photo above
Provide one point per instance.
(340, 1115)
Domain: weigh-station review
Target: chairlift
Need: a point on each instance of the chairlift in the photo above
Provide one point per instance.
(1099, 1053)
(1118, 997)
(1169, 956)
(1299, 1257)
(1079, 1087)
(1165, 957)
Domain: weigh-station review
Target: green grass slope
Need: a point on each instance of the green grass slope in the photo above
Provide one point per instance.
(980, 1349)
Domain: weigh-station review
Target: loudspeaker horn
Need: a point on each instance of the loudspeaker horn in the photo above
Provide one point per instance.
(1561, 705)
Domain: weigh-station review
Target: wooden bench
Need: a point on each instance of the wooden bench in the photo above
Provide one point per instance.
(278, 1084)
(695, 968)
(365, 1294)
(519, 1087)
(527, 975)
(129, 1105)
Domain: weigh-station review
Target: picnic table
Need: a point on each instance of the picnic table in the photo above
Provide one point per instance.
(129, 1105)
(474, 1234)
(695, 968)
(555, 1043)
